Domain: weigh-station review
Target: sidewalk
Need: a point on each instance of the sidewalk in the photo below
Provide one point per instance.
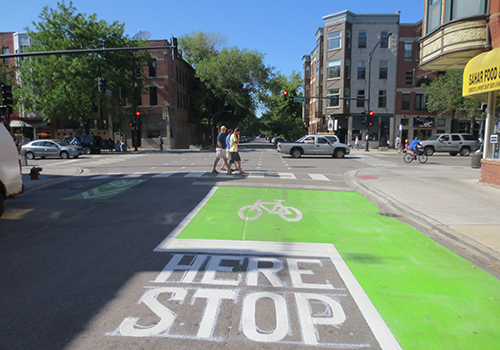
(447, 202)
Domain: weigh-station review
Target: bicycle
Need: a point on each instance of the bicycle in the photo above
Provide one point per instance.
(421, 156)
(286, 213)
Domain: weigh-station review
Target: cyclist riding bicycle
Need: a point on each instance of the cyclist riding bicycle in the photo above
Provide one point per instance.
(416, 147)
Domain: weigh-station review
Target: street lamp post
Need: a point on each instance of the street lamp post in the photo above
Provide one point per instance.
(135, 133)
(370, 56)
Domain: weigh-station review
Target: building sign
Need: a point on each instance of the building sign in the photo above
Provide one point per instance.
(423, 122)
(481, 74)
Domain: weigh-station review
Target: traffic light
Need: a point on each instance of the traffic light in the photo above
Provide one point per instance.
(122, 92)
(6, 101)
(409, 77)
(137, 114)
(370, 116)
(363, 118)
(285, 94)
(101, 84)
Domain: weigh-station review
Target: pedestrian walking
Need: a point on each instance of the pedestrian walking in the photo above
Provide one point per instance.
(233, 151)
(356, 143)
(220, 150)
(228, 144)
(161, 143)
(398, 144)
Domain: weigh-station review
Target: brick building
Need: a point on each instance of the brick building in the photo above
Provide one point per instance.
(465, 35)
(411, 115)
(164, 106)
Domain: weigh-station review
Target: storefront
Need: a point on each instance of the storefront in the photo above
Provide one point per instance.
(25, 131)
(482, 82)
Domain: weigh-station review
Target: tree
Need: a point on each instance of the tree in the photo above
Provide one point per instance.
(231, 78)
(63, 86)
(444, 96)
(283, 117)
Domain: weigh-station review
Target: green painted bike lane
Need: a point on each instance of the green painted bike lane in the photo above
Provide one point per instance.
(429, 297)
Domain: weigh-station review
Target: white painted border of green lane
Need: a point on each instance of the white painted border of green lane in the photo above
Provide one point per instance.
(326, 250)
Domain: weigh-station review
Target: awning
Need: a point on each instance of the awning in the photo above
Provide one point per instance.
(24, 124)
(482, 75)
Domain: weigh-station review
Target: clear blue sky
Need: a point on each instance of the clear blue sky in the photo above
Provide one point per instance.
(282, 30)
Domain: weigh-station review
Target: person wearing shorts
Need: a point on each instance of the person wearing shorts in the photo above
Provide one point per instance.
(233, 151)
(220, 150)
(228, 144)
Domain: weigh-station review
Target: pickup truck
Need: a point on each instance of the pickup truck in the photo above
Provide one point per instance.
(315, 145)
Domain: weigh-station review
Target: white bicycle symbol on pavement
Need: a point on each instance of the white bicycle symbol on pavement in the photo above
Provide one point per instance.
(254, 211)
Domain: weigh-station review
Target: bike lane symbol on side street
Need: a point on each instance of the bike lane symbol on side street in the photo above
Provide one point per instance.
(108, 190)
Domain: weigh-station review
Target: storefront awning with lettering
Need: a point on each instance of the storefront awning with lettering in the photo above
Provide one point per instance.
(31, 124)
(482, 75)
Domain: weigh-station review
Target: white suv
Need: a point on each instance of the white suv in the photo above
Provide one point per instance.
(11, 181)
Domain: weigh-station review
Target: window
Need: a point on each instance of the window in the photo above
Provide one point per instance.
(333, 68)
(333, 97)
(408, 54)
(153, 95)
(441, 122)
(420, 102)
(6, 51)
(362, 40)
(335, 40)
(383, 68)
(405, 102)
(433, 15)
(465, 8)
(361, 70)
(382, 98)
(152, 69)
(384, 44)
(361, 98)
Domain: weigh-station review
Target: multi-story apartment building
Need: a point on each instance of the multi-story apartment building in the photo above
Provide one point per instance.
(411, 115)
(164, 107)
(351, 71)
(465, 35)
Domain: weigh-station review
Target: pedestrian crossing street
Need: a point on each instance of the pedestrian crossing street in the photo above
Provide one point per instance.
(236, 176)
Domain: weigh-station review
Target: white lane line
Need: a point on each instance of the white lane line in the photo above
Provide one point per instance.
(287, 176)
(195, 174)
(319, 177)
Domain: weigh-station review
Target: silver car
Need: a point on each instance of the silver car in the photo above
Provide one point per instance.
(50, 148)
(450, 143)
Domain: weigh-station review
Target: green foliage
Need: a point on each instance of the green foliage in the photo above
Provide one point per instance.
(283, 117)
(66, 85)
(230, 78)
(445, 97)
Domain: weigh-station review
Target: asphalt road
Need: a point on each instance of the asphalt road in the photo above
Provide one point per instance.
(106, 259)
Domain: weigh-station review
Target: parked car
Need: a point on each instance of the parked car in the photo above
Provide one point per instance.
(315, 145)
(451, 143)
(50, 148)
(11, 181)
(89, 143)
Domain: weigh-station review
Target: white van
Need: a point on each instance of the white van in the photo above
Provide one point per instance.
(11, 181)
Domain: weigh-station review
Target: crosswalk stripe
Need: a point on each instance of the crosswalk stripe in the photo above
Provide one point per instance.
(165, 174)
(319, 177)
(289, 176)
(256, 175)
(195, 174)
